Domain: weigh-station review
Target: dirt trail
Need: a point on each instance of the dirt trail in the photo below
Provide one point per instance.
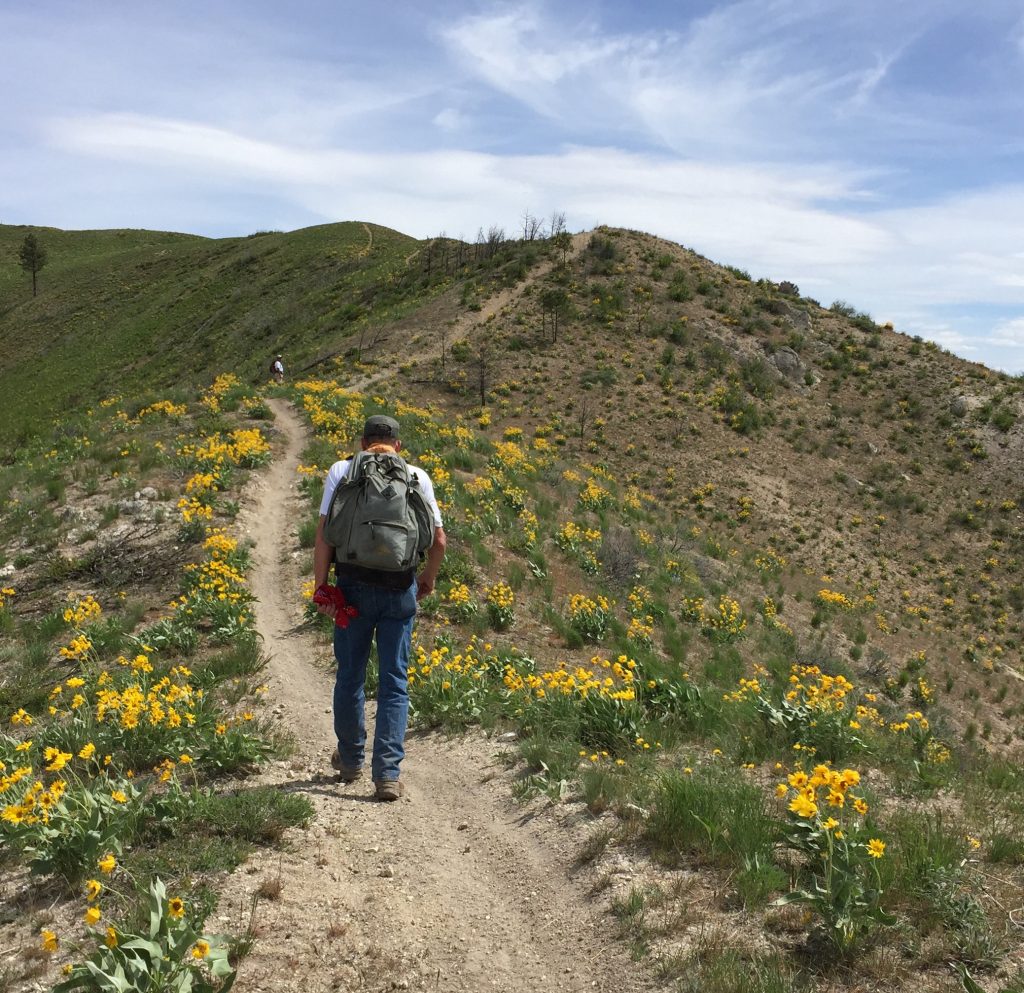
(452, 888)
(475, 319)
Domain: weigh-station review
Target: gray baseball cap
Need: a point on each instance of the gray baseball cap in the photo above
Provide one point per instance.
(380, 426)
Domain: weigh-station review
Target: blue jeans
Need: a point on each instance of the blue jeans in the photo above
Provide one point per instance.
(389, 614)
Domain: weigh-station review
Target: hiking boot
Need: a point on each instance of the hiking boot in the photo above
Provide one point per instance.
(346, 773)
(388, 789)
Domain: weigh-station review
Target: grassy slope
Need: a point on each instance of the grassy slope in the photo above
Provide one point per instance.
(862, 478)
(117, 310)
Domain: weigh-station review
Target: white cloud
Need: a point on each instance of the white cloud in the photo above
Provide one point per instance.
(1008, 334)
(520, 53)
(451, 119)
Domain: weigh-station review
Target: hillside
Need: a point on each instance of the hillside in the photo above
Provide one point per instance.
(140, 309)
(705, 535)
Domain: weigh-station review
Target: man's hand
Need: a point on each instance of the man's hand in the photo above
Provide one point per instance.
(427, 578)
(424, 585)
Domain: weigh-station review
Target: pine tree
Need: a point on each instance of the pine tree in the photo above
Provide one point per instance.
(32, 256)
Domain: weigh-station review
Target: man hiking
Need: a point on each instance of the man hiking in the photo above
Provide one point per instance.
(370, 601)
(277, 369)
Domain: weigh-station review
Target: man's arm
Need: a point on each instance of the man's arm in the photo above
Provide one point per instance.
(323, 556)
(435, 555)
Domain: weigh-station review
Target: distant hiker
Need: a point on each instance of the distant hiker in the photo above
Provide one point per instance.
(378, 518)
(277, 370)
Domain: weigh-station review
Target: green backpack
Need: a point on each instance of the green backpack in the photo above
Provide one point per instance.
(378, 518)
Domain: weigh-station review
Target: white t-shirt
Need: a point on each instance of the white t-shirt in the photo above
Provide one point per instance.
(339, 471)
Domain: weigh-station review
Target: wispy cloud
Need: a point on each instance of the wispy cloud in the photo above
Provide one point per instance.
(526, 55)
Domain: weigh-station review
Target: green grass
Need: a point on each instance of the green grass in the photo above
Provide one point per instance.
(143, 303)
(710, 819)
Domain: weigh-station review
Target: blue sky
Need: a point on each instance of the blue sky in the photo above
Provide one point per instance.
(872, 153)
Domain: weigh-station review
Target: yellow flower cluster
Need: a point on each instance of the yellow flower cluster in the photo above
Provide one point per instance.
(333, 412)
(914, 720)
(617, 683)
(571, 537)
(528, 525)
(580, 605)
(478, 487)
(833, 598)
(824, 787)
(165, 407)
(466, 663)
(219, 544)
(770, 562)
(82, 611)
(501, 595)
(512, 458)
(770, 613)
(816, 689)
(36, 804)
(213, 395)
(699, 495)
(217, 579)
(169, 703)
(641, 630)
(594, 496)
(78, 649)
(244, 446)
(6, 592)
(192, 509)
(639, 600)
(724, 622)
(201, 483)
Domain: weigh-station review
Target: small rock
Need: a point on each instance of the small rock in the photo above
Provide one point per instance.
(463, 826)
(508, 736)
(387, 873)
(147, 493)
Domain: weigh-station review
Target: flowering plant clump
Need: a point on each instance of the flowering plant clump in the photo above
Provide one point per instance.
(525, 539)
(594, 496)
(170, 954)
(769, 562)
(501, 606)
(723, 623)
(817, 711)
(826, 820)
(770, 614)
(580, 542)
(641, 630)
(175, 411)
(81, 611)
(214, 394)
(459, 603)
(216, 589)
(589, 617)
(834, 600)
(449, 687)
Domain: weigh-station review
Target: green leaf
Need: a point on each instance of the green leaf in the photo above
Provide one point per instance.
(967, 981)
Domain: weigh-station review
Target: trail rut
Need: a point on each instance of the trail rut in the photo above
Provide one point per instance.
(452, 888)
